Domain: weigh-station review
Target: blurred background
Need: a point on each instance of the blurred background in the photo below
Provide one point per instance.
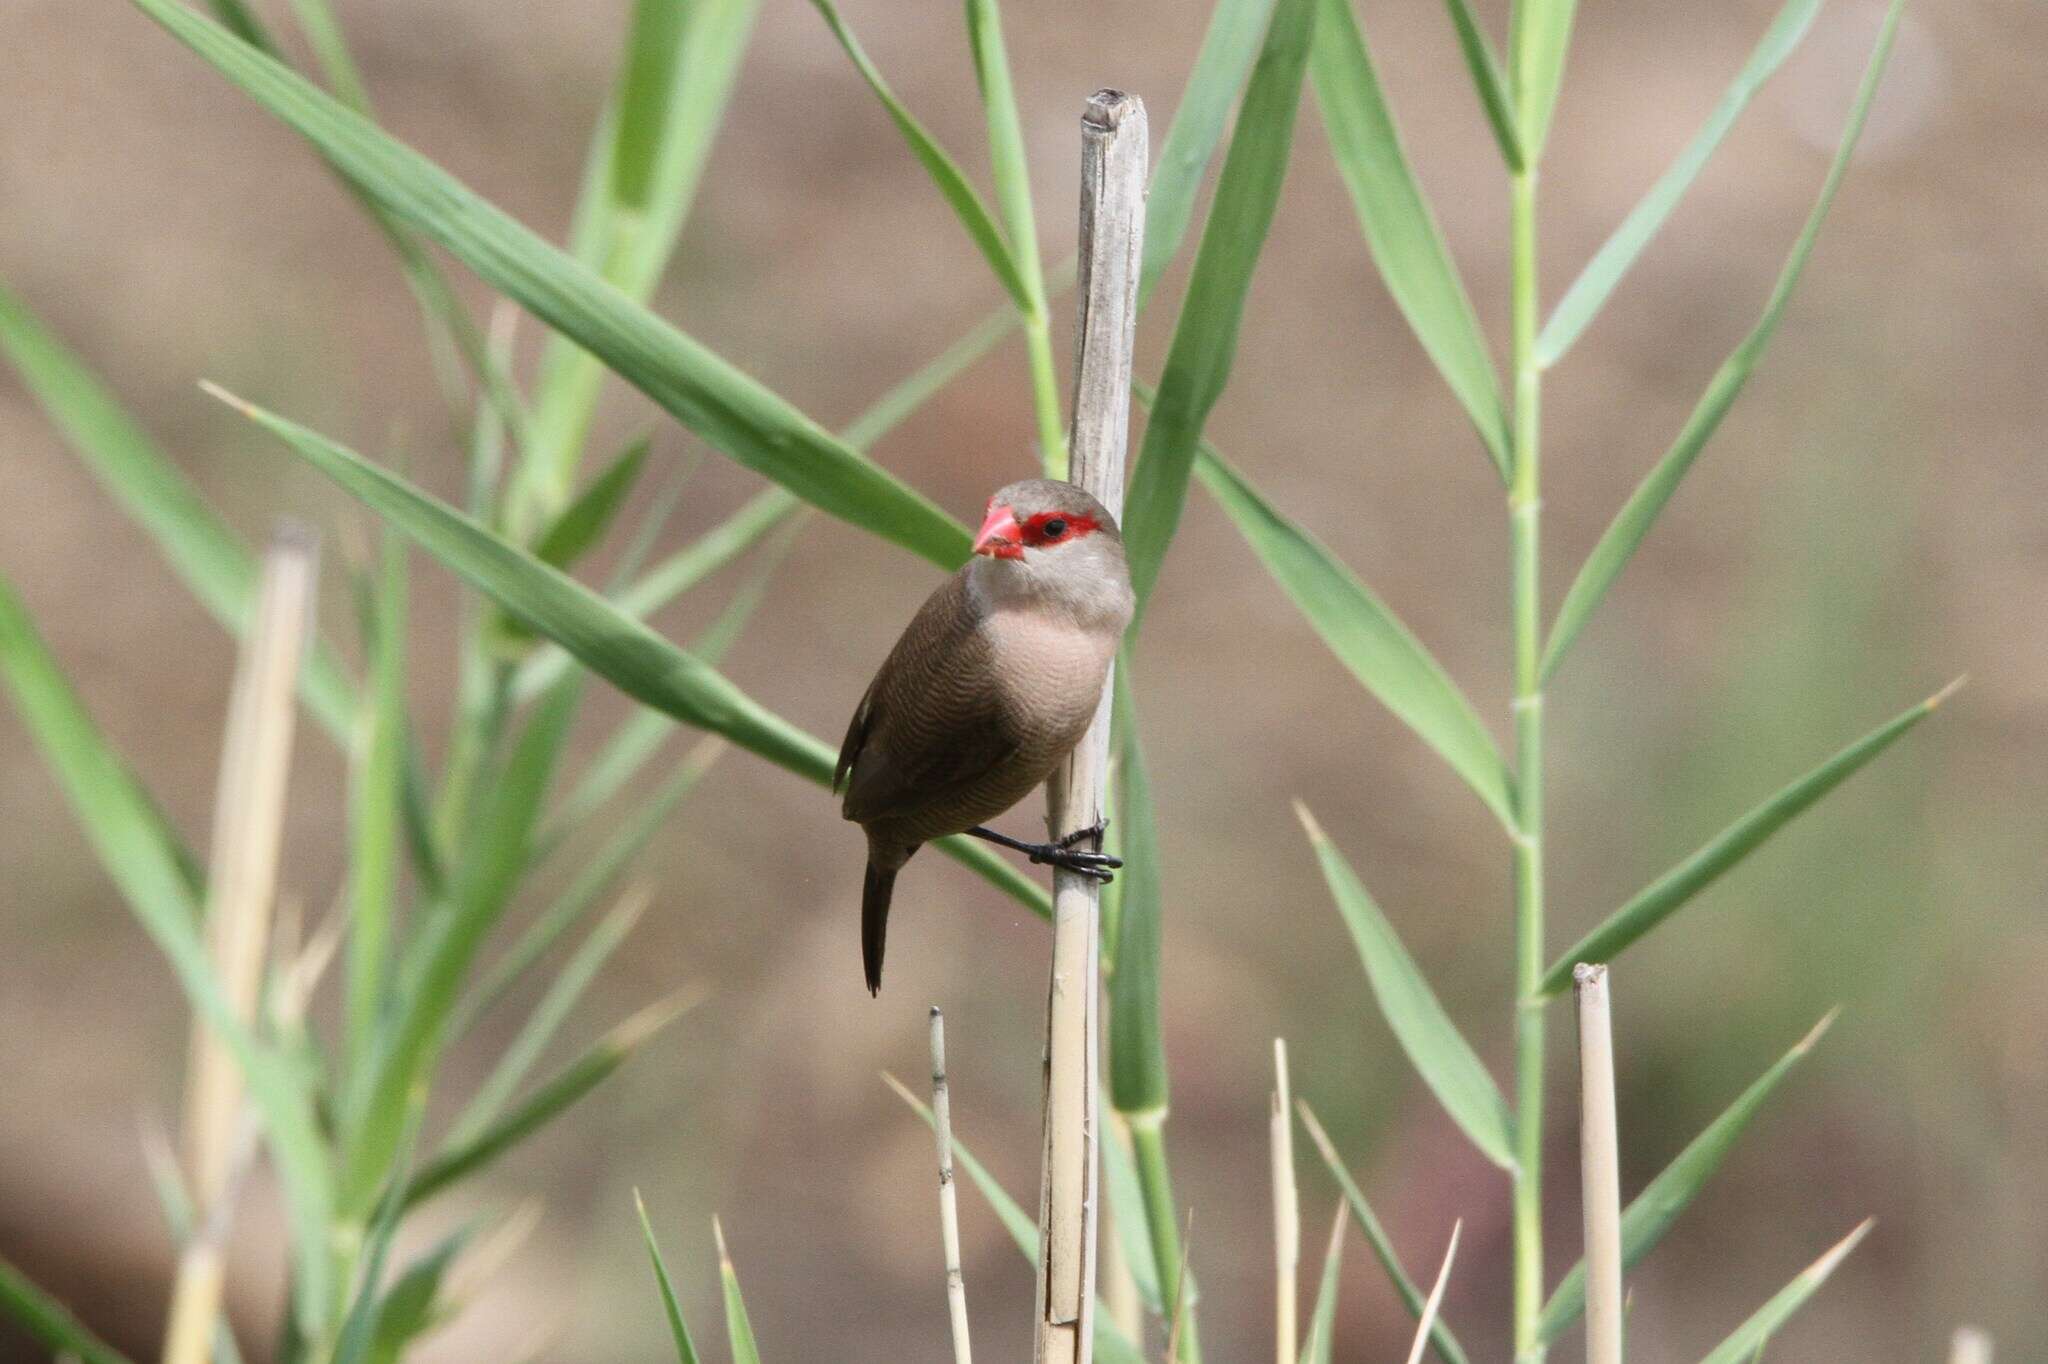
(1866, 526)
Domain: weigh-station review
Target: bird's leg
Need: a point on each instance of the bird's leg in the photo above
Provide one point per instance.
(1093, 832)
(1060, 854)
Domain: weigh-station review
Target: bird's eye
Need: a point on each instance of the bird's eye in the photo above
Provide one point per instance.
(1054, 528)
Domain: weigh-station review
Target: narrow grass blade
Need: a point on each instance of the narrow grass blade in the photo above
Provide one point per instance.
(1657, 900)
(1228, 49)
(240, 20)
(1436, 1297)
(1589, 292)
(1127, 1207)
(376, 811)
(596, 876)
(1540, 33)
(410, 1307)
(732, 411)
(1438, 1051)
(583, 522)
(360, 1325)
(439, 962)
(1489, 81)
(1651, 1214)
(49, 1321)
(952, 183)
(1008, 164)
(1110, 1345)
(323, 34)
(738, 1330)
(1137, 1051)
(1618, 543)
(1366, 637)
(1400, 231)
(562, 996)
(1204, 342)
(129, 836)
(613, 645)
(1440, 1337)
(1751, 1335)
(1322, 1324)
(212, 561)
(640, 183)
(678, 1329)
(545, 1104)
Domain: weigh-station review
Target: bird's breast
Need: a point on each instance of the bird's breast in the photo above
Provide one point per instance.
(1050, 672)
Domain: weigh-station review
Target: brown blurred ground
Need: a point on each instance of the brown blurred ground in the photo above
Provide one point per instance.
(1868, 524)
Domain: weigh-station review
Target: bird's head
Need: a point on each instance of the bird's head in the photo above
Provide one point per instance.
(1052, 541)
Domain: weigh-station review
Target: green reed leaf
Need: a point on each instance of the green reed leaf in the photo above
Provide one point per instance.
(1618, 543)
(1489, 81)
(678, 1329)
(1589, 292)
(1137, 1050)
(608, 642)
(1322, 1322)
(1367, 638)
(732, 411)
(1752, 1334)
(50, 1321)
(1400, 231)
(950, 180)
(1650, 1214)
(1654, 902)
(1540, 32)
(1438, 1051)
(1204, 344)
(376, 810)
(738, 1329)
(584, 522)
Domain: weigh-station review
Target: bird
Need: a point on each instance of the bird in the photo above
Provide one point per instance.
(989, 688)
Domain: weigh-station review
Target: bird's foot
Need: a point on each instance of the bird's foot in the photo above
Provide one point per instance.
(1096, 866)
(1092, 834)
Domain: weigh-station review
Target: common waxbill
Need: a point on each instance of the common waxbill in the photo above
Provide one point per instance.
(990, 687)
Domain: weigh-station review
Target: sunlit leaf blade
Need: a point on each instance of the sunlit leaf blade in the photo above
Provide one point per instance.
(409, 1307)
(738, 1330)
(1110, 1345)
(1400, 231)
(734, 412)
(322, 29)
(49, 1321)
(1219, 73)
(1137, 1051)
(1540, 33)
(639, 185)
(1126, 1203)
(614, 646)
(1438, 1051)
(1657, 900)
(1489, 80)
(1589, 292)
(1322, 1322)
(359, 1326)
(1204, 344)
(1365, 636)
(462, 1159)
(134, 847)
(583, 522)
(1618, 543)
(678, 1329)
(1008, 164)
(211, 560)
(1651, 1213)
(1440, 1337)
(1751, 1335)
(952, 183)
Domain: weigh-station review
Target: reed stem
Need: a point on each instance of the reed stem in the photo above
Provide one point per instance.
(1599, 1166)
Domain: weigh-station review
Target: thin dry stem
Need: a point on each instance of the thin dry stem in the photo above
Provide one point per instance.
(1286, 1213)
(949, 1201)
(248, 827)
(1113, 154)
(1427, 1321)
(1599, 1166)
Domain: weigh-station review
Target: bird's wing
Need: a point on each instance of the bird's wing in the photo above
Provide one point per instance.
(930, 722)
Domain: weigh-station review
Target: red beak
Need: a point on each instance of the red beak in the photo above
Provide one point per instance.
(1000, 537)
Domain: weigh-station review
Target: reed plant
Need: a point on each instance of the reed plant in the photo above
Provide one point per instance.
(438, 858)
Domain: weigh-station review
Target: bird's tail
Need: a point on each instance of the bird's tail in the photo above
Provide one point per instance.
(874, 921)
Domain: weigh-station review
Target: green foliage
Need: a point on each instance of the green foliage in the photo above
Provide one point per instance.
(50, 1322)
(679, 1330)
(1751, 1335)
(1322, 1322)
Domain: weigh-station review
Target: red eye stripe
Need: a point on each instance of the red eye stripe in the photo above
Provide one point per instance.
(1048, 528)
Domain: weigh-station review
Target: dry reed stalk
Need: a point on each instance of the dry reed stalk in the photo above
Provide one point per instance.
(1599, 1166)
(1427, 1320)
(1969, 1346)
(949, 1200)
(248, 826)
(1286, 1214)
(1113, 169)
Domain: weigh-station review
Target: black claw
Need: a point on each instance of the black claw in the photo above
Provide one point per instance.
(1094, 831)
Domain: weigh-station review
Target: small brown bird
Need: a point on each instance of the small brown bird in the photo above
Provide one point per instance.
(991, 685)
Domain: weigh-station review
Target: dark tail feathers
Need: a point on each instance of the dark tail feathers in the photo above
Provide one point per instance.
(874, 922)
